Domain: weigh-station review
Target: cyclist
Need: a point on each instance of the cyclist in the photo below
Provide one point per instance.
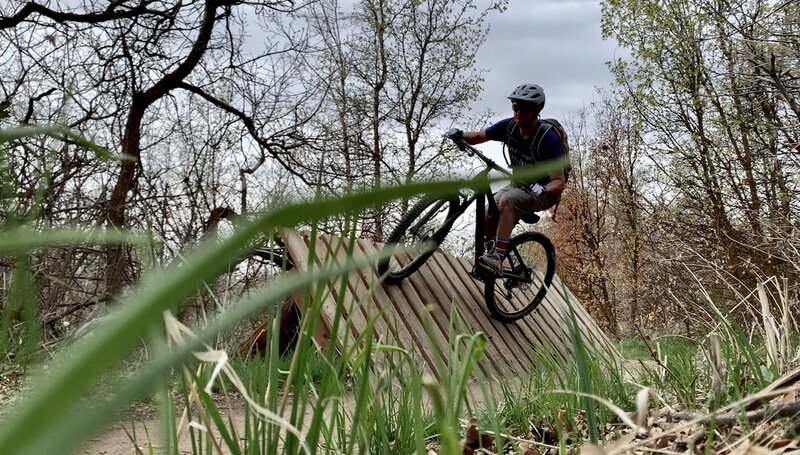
(521, 134)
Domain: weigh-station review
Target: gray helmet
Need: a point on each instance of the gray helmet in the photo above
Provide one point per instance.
(529, 93)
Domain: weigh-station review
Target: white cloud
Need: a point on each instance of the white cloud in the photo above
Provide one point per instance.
(554, 43)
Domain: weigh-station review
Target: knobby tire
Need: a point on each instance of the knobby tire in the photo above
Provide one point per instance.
(539, 287)
(412, 218)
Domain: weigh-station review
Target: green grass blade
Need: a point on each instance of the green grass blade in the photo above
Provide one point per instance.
(86, 361)
(22, 434)
(583, 363)
(23, 239)
(56, 132)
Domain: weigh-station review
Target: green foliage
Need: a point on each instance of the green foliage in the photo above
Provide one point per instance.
(702, 77)
(60, 133)
(681, 369)
(669, 346)
(544, 400)
(19, 322)
(295, 404)
(59, 395)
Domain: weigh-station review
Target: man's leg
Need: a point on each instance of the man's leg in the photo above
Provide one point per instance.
(493, 260)
(490, 223)
(507, 219)
(504, 227)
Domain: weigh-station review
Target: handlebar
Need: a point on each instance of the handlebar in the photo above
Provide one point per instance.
(486, 160)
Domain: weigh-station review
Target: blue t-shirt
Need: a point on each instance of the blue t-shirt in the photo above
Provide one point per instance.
(521, 151)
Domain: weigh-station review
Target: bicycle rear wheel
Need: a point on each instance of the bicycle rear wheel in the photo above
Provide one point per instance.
(530, 265)
(428, 222)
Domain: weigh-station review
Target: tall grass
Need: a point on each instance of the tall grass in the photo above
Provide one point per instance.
(59, 411)
(54, 398)
(355, 395)
(732, 361)
(718, 378)
(368, 397)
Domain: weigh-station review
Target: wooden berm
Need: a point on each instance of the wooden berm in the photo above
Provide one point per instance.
(415, 314)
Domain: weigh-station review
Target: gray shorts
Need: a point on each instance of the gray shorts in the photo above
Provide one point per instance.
(523, 203)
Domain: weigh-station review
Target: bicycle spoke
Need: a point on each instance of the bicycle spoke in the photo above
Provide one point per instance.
(530, 264)
(426, 222)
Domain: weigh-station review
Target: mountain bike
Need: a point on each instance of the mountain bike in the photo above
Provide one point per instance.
(530, 257)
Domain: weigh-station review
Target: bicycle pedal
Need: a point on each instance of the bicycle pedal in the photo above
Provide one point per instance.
(480, 274)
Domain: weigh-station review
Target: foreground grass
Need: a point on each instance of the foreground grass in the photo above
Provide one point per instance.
(56, 406)
(363, 397)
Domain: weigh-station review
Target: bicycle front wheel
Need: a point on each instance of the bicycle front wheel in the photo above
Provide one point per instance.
(529, 268)
(427, 223)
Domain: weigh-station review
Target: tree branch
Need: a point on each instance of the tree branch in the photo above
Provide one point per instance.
(769, 412)
(251, 128)
(111, 13)
(173, 79)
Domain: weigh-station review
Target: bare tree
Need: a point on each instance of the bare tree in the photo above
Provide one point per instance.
(125, 63)
(401, 71)
(717, 123)
(583, 235)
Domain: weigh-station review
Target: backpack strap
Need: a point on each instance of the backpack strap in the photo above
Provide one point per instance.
(538, 137)
(509, 129)
(541, 132)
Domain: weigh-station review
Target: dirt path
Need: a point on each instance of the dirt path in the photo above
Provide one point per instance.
(144, 426)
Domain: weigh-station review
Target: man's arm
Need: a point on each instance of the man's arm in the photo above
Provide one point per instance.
(556, 184)
(475, 137)
(553, 151)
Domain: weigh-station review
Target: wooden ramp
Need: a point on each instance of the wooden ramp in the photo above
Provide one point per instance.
(418, 315)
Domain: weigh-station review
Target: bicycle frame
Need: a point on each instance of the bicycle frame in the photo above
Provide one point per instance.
(480, 197)
(504, 293)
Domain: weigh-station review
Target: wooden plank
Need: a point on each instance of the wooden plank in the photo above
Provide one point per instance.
(356, 319)
(550, 310)
(591, 333)
(400, 313)
(468, 291)
(429, 320)
(530, 336)
(436, 310)
(392, 296)
(367, 284)
(548, 320)
(555, 309)
(299, 253)
(361, 293)
(354, 323)
(539, 322)
(596, 337)
(447, 292)
(525, 324)
(465, 288)
(339, 292)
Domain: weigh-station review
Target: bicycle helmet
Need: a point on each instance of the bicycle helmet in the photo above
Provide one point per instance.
(529, 93)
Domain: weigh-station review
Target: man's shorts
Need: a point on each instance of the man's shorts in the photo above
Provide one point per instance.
(523, 203)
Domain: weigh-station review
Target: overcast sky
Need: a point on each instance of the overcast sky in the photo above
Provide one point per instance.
(553, 43)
